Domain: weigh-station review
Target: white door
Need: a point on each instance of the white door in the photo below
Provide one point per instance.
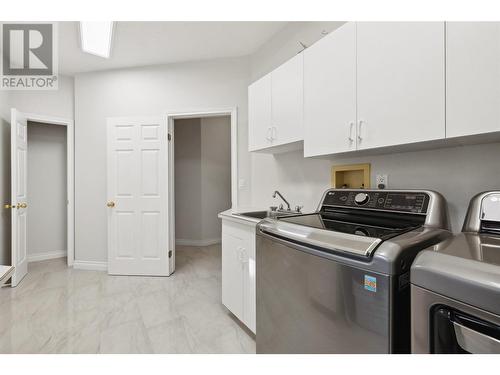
(137, 196)
(19, 184)
(330, 93)
(400, 82)
(287, 101)
(259, 114)
(472, 78)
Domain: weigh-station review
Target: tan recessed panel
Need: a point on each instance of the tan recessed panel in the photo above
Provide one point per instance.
(352, 176)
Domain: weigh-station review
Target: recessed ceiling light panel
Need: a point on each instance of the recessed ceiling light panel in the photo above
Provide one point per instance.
(96, 37)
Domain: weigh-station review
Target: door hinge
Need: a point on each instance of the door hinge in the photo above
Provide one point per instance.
(169, 136)
(170, 254)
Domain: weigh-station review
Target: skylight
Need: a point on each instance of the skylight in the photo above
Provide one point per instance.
(96, 37)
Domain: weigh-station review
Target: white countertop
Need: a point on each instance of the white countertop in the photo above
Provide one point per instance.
(5, 273)
(232, 214)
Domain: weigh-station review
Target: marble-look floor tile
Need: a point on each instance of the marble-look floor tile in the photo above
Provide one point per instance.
(57, 309)
(170, 337)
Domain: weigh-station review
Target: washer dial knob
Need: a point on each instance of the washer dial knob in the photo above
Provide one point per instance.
(361, 198)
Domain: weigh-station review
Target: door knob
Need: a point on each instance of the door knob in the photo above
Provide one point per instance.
(21, 205)
(8, 206)
(110, 204)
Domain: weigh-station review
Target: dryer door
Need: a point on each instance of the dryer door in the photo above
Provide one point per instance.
(457, 333)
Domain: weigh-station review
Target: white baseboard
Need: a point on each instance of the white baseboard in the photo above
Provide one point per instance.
(46, 255)
(207, 242)
(90, 265)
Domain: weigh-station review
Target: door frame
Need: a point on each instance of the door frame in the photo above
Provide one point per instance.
(70, 174)
(171, 116)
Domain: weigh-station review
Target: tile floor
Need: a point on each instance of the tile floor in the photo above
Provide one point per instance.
(57, 309)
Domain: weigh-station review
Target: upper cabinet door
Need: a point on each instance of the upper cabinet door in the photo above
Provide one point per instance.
(472, 78)
(288, 101)
(259, 114)
(400, 83)
(330, 93)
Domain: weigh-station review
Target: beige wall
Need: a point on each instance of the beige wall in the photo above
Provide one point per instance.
(215, 173)
(47, 216)
(285, 44)
(144, 91)
(202, 178)
(187, 165)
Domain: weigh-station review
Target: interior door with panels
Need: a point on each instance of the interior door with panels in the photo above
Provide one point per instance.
(137, 197)
(472, 78)
(400, 82)
(19, 189)
(330, 93)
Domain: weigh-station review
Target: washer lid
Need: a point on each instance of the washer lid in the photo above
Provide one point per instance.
(466, 268)
(327, 240)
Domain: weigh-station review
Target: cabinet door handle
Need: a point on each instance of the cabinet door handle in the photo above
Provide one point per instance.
(351, 125)
(273, 133)
(269, 134)
(361, 122)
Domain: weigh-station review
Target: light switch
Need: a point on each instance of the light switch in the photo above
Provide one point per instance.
(242, 183)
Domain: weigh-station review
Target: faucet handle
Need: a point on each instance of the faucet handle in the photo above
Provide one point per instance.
(280, 207)
(273, 208)
(298, 208)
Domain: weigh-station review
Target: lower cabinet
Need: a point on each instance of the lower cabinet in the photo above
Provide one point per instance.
(238, 270)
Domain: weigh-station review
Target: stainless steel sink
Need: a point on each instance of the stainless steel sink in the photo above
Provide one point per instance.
(263, 214)
(255, 214)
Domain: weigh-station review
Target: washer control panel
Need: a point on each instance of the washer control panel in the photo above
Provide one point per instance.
(398, 201)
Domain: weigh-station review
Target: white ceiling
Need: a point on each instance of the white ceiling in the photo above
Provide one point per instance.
(151, 43)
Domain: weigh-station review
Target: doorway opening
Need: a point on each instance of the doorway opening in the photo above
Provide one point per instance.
(42, 190)
(47, 221)
(202, 173)
(202, 178)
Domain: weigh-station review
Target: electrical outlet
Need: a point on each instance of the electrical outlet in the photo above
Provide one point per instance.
(382, 180)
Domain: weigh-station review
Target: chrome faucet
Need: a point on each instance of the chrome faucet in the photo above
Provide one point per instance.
(283, 198)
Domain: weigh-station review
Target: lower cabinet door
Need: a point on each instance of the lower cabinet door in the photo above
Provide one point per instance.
(232, 273)
(238, 271)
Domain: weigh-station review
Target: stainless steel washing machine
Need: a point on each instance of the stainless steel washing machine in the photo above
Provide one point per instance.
(455, 291)
(337, 280)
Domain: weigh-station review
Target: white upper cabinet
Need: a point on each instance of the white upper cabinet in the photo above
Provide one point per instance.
(288, 101)
(472, 78)
(259, 114)
(330, 93)
(400, 83)
(275, 106)
(376, 84)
